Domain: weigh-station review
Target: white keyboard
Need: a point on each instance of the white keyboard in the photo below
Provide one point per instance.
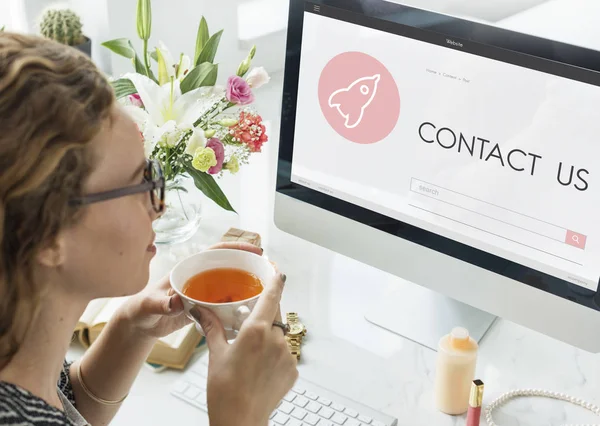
(305, 405)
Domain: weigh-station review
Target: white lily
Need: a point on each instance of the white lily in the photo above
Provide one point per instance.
(183, 67)
(166, 65)
(167, 110)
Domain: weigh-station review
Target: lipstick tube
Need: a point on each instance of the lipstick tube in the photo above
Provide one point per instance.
(475, 403)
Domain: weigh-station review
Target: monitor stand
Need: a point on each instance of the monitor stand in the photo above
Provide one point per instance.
(424, 316)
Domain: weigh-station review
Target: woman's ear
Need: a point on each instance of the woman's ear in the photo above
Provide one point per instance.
(52, 255)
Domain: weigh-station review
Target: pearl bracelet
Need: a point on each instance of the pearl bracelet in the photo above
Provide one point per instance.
(91, 394)
(542, 393)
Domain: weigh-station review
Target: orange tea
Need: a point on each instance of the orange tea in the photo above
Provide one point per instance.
(223, 285)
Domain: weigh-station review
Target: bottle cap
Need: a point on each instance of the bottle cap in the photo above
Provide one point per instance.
(459, 339)
(460, 333)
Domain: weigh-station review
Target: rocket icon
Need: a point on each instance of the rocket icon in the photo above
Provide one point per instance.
(352, 101)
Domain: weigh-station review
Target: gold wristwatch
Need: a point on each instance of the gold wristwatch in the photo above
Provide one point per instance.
(296, 333)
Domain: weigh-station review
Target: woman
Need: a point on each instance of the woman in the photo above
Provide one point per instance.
(63, 140)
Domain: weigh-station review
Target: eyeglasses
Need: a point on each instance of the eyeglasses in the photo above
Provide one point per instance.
(154, 182)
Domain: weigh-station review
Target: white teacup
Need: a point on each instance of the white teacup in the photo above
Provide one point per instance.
(232, 314)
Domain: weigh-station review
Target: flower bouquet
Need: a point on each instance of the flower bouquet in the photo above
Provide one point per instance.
(192, 126)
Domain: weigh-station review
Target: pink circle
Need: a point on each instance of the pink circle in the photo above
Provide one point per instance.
(359, 97)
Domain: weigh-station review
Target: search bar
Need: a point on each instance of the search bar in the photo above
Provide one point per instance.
(502, 216)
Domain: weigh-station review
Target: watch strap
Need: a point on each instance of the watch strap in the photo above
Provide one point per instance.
(294, 342)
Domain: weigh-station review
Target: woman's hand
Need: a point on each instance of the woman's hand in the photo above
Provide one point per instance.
(248, 378)
(157, 311)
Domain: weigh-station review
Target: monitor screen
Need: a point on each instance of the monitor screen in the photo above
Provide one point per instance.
(443, 128)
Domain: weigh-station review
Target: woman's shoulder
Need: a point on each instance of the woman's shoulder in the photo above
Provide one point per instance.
(20, 407)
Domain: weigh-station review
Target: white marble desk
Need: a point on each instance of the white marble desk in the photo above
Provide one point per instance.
(349, 355)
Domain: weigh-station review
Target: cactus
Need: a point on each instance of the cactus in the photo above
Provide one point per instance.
(63, 26)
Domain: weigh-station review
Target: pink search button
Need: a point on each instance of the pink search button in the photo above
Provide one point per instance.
(576, 240)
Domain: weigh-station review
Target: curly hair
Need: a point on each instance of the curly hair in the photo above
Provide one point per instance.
(53, 102)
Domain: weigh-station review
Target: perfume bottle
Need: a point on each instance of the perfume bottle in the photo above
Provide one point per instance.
(455, 371)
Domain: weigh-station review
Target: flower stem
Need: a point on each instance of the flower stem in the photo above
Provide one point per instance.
(171, 99)
(146, 57)
(208, 115)
(182, 206)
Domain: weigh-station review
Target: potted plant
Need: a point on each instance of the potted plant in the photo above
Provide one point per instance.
(64, 26)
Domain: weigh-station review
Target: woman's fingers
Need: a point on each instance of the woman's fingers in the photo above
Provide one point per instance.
(268, 303)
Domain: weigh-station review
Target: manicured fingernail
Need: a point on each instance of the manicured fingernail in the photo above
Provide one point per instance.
(282, 277)
(171, 303)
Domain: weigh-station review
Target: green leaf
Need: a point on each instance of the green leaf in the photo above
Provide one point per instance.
(140, 68)
(210, 49)
(154, 56)
(121, 46)
(203, 75)
(201, 38)
(123, 87)
(209, 187)
(2, 28)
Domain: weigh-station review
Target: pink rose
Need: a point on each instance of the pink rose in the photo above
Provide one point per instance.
(216, 145)
(135, 100)
(238, 91)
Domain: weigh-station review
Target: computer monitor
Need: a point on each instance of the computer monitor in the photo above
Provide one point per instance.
(458, 156)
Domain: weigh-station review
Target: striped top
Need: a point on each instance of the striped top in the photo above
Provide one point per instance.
(19, 407)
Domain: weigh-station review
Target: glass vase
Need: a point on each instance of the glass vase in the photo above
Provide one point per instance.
(182, 215)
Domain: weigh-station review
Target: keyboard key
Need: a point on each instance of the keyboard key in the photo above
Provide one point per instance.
(311, 395)
(300, 401)
(299, 413)
(302, 406)
(180, 387)
(313, 407)
(192, 392)
(326, 412)
(350, 413)
(339, 419)
(324, 401)
(290, 397)
(364, 419)
(311, 419)
(286, 408)
(281, 419)
(299, 391)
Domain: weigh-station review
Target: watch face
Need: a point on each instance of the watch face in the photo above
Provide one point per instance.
(296, 329)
